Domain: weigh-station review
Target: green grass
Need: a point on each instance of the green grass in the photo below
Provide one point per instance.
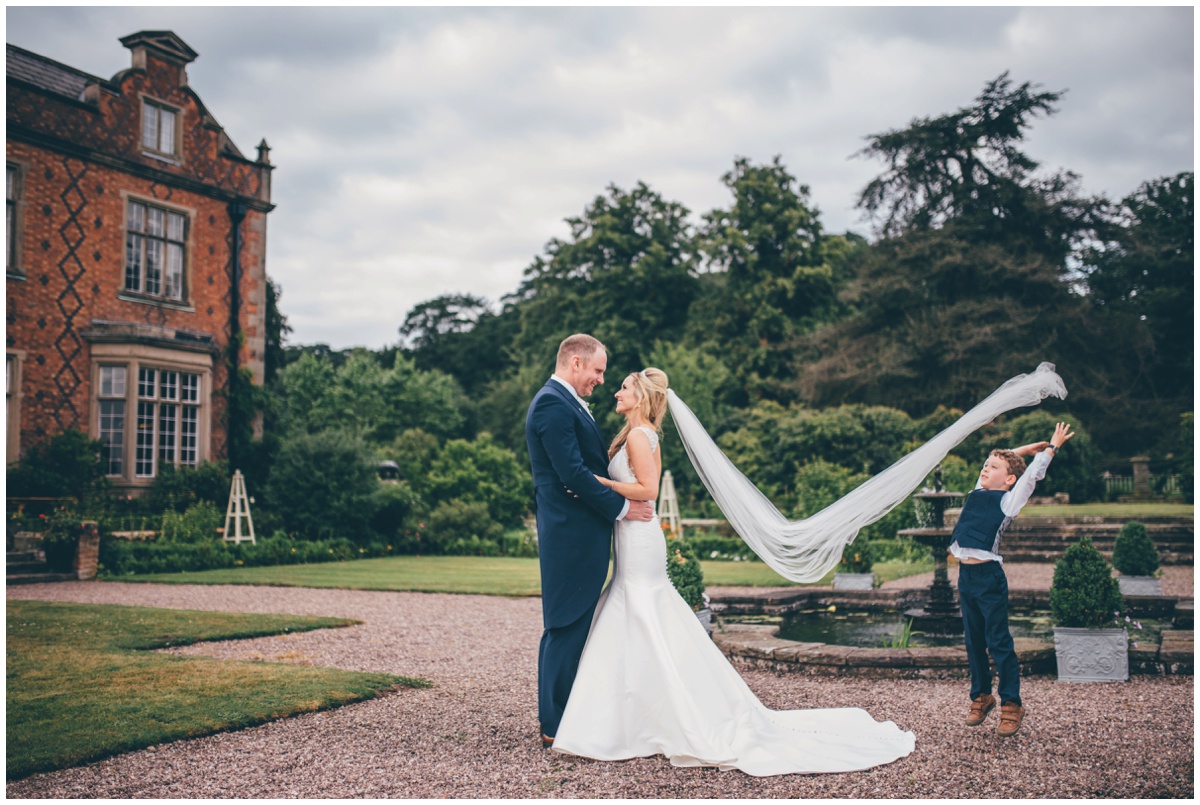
(478, 575)
(1112, 510)
(758, 574)
(82, 685)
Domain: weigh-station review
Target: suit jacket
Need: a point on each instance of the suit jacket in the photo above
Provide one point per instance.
(566, 452)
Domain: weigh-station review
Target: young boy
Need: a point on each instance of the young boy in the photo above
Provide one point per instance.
(1004, 488)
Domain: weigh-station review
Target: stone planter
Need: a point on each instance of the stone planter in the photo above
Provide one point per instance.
(1139, 585)
(1091, 655)
(705, 618)
(853, 581)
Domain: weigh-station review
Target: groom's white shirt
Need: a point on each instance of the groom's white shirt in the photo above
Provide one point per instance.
(574, 394)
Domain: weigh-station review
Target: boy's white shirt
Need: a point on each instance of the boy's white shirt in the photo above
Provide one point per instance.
(1011, 504)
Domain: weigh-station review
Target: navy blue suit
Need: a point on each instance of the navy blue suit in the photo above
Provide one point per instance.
(575, 516)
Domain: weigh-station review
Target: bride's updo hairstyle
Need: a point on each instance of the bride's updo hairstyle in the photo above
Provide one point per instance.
(651, 387)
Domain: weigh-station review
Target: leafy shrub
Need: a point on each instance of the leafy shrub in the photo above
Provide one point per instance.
(856, 557)
(482, 471)
(67, 465)
(458, 526)
(1075, 470)
(394, 507)
(413, 451)
(715, 547)
(323, 485)
(1134, 553)
(957, 475)
(472, 546)
(1084, 593)
(771, 444)
(519, 542)
(177, 488)
(198, 524)
(120, 557)
(819, 483)
(683, 568)
(897, 549)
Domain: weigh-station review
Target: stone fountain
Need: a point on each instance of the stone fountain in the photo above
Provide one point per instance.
(941, 614)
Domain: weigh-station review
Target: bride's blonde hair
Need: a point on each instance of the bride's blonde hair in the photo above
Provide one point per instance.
(651, 387)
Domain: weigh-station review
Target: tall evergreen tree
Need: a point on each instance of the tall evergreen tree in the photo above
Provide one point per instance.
(1146, 270)
(771, 279)
(973, 278)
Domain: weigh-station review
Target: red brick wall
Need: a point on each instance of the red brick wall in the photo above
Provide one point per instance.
(78, 163)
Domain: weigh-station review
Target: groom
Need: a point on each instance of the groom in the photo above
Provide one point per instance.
(575, 515)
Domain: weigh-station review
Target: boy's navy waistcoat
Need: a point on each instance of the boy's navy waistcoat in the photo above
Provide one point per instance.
(982, 521)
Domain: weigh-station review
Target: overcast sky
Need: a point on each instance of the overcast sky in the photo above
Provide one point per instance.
(425, 151)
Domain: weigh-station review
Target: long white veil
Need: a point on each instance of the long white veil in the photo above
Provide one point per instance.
(805, 550)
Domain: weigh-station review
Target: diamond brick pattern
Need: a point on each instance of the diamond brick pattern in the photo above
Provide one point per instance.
(68, 344)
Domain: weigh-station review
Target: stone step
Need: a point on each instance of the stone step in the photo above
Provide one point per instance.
(23, 556)
(1100, 541)
(1050, 556)
(17, 568)
(1185, 614)
(27, 541)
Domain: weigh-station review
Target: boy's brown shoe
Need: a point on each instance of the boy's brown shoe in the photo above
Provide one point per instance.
(1010, 719)
(980, 707)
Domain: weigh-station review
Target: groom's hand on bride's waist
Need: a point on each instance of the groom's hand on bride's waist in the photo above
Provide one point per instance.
(640, 510)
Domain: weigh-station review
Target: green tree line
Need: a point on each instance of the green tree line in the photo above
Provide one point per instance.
(815, 358)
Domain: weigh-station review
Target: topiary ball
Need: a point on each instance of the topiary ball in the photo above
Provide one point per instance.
(1084, 593)
(1134, 553)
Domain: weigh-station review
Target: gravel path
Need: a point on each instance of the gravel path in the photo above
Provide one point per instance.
(474, 734)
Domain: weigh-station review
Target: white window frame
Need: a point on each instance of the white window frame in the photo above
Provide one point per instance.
(14, 360)
(187, 406)
(163, 231)
(155, 137)
(14, 196)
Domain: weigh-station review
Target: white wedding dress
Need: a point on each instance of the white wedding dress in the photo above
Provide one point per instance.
(652, 682)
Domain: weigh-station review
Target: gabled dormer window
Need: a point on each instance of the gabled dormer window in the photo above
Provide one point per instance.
(158, 129)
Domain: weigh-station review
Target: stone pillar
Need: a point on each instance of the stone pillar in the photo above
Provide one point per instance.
(87, 554)
(1141, 478)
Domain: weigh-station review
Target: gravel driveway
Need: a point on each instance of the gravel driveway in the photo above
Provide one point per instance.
(474, 734)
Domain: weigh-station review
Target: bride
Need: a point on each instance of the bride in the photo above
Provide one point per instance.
(651, 681)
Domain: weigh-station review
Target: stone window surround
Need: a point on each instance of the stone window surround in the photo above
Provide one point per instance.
(134, 355)
(14, 367)
(189, 248)
(13, 268)
(175, 156)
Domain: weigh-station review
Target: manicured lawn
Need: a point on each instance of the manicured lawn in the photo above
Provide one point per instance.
(82, 685)
(482, 575)
(1112, 510)
(758, 574)
(479, 575)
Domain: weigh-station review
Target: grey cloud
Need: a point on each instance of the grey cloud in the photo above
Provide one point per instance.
(423, 151)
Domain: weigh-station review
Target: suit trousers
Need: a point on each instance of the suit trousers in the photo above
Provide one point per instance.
(983, 596)
(558, 662)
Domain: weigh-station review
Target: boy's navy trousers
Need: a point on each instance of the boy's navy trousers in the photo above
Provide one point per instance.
(983, 596)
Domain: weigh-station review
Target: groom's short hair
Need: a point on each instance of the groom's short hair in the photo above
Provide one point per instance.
(580, 344)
